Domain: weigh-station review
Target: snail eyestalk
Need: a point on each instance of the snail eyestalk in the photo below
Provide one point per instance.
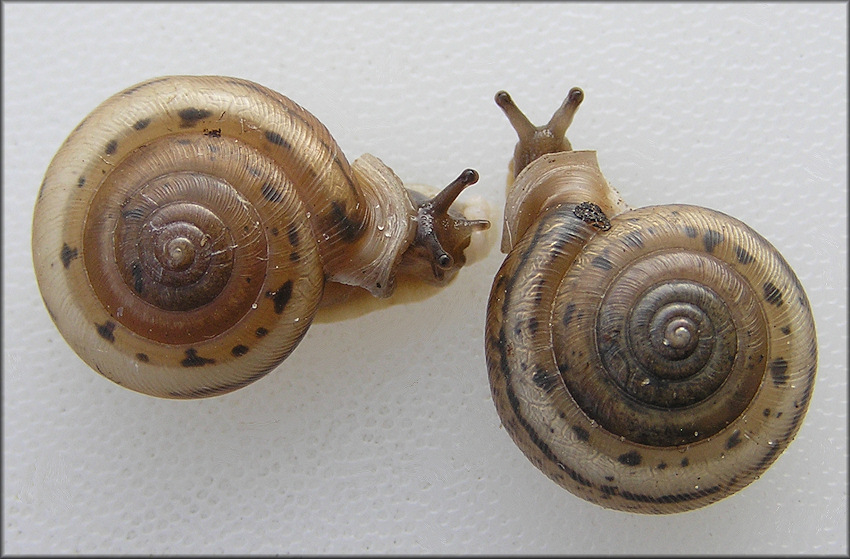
(442, 234)
(524, 128)
(563, 117)
(535, 141)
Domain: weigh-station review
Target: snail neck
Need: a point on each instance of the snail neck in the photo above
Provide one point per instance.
(386, 232)
(409, 236)
(550, 181)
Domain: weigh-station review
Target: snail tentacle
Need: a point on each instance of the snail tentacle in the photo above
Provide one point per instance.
(442, 234)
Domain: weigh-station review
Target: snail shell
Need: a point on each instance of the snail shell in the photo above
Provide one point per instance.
(185, 231)
(651, 360)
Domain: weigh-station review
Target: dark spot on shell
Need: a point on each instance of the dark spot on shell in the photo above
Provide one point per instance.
(254, 171)
(542, 379)
(216, 133)
(81, 182)
(786, 329)
(690, 231)
(609, 478)
(602, 263)
(733, 440)
(239, 350)
(141, 124)
(671, 498)
(634, 238)
(294, 256)
(772, 294)
(261, 332)
(249, 85)
(631, 458)
(348, 229)
(106, 331)
(293, 235)
(532, 325)
(711, 239)
(538, 290)
(744, 257)
(138, 276)
(191, 116)
(137, 87)
(766, 412)
(609, 489)
(685, 462)
(281, 296)
(143, 357)
(67, 254)
(111, 146)
(581, 433)
(574, 475)
(271, 193)
(135, 213)
(662, 465)
(277, 139)
(568, 313)
(194, 360)
(779, 371)
(557, 248)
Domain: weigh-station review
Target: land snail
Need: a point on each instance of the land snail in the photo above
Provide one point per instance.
(651, 360)
(190, 227)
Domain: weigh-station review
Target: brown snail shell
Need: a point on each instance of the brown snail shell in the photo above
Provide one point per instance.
(651, 360)
(185, 231)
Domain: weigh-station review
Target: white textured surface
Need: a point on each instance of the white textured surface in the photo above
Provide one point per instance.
(378, 434)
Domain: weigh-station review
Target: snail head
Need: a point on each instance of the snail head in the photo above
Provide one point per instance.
(535, 141)
(442, 233)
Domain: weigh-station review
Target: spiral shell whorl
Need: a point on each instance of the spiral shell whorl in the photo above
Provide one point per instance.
(174, 233)
(656, 367)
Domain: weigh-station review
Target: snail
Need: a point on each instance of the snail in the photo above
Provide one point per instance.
(651, 360)
(186, 230)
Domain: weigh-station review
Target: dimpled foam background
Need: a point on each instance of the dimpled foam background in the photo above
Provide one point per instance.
(378, 434)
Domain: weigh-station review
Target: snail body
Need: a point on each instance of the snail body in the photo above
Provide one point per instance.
(185, 231)
(651, 360)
